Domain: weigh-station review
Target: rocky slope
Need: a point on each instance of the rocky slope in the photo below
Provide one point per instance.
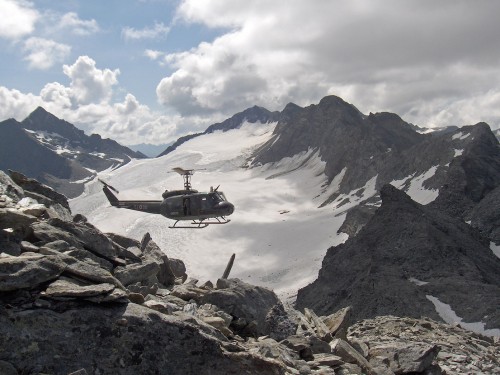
(55, 152)
(406, 253)
(457, 167)
(75, 300)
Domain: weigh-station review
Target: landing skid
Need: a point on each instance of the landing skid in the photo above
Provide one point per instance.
(200, 224)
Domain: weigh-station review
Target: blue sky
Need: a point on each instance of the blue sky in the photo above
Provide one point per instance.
(152, 70)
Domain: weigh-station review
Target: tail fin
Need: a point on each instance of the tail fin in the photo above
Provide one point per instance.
(111, 197)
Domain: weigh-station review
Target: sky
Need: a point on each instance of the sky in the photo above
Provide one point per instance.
(149, 71)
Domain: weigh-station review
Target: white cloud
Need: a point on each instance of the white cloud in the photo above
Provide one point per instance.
(153, 54)
(78, 26)
(379, 55)
(157, 31)
(88, 102)
(88, 83)
(17, 19)
(44, 53)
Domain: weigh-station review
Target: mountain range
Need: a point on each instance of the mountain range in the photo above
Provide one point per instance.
(358, 210)
(57, 153)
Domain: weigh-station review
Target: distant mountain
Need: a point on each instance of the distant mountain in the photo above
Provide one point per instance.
(57, 153)
(148, 149)
(406, 253)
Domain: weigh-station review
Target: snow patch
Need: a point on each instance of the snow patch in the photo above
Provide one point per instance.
(416, 190)
(417, 282)
(449, 316)
(346, 201)
(495, 248)
(460, 135)
(458, 153)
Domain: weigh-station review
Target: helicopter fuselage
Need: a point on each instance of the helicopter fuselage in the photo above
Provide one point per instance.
(179, 204)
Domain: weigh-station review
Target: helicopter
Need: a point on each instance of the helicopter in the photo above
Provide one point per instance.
(201, 209)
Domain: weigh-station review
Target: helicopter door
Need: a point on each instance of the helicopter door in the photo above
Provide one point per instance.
(186, 206)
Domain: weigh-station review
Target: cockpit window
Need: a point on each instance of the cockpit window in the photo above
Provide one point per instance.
(218, 196)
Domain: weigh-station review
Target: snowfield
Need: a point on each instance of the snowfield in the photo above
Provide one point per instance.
(278, 231)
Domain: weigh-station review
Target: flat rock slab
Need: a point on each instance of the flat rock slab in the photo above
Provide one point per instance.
(26, 272)
(69, 288)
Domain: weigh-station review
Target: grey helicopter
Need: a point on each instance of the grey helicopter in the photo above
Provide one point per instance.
(200, 209)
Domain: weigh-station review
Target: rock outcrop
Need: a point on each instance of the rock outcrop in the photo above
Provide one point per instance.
(406, 254)
(74, 300)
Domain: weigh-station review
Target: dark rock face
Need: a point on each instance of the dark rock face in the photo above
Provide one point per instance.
(129, 339)
(403, 245)
(344, 137)
(485, 216)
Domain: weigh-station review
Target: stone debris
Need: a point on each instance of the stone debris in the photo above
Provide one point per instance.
(74, 300)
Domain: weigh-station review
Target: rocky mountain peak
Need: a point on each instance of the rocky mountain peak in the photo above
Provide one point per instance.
(389, 195)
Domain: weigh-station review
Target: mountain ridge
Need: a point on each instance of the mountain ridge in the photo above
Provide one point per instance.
(58, 153)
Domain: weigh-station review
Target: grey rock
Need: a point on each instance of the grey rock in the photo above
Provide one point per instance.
(10, 248)
(136, 272)
(94, 338)
(28, 246)
(9, 188)
(68, 288)
(6, 368)
(86, 233)
(30, 184)
(338, 323)
(123, 241)
(143, 289)
(178, 268)
(58, 245)
(372, 272)
(45, 232)
(25, 272)
(162, 307)
(407, 358)
(151, 252)
(87, 271)
(87, 256)
(249, 305)
(459, 348)
(189, 292)
(348, 354)
(19, 222)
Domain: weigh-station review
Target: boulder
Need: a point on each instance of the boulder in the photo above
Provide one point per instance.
(9, 188)
(136, 272)
(406, 357)
(17, 221)
(249, 305)
(30, 184)
(45, 232)
(26, 272)
(151, 252)
(87, 234)
(348, 354)
(87, 256)
(70, 288)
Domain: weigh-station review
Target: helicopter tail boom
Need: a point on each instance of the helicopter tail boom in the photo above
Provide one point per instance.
(153, 207)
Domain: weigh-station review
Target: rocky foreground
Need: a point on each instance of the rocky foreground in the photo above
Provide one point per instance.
(74, 300)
